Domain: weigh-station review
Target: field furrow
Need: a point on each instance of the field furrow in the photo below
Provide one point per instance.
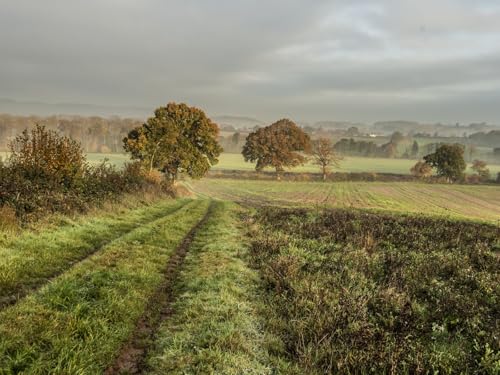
(459, 201)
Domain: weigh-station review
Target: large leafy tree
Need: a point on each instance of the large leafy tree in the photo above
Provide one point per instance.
(178, 139)
(448, 161)
(280, 145)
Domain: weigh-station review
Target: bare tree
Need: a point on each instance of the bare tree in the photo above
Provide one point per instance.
(325, 156)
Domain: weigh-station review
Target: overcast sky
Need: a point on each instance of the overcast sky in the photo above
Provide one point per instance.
(426, 60)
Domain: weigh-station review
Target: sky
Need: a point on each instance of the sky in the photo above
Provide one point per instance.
(310, 60)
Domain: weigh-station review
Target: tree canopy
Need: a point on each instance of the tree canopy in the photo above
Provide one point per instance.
(178, 139)
(448, 161)
(280, 145)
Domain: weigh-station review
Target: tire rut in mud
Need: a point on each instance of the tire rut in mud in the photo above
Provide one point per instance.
(132, 356)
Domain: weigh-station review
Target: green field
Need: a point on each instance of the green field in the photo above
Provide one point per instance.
(349, 164)
(202, 286)
(459, 201)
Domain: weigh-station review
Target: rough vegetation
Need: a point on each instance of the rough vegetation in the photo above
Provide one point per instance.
(352, 292)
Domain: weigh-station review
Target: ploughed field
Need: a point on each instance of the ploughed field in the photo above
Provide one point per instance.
(207, 286)
(456, 201)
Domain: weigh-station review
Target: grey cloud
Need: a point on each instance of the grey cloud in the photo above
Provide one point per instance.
(360, 60)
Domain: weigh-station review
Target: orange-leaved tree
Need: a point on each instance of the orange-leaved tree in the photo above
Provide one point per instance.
(48, 158)
(280, 145)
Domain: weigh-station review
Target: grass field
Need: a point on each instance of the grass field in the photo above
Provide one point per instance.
(458, 201)
(349, 164)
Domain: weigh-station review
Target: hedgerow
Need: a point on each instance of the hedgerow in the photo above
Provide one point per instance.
(48, 173)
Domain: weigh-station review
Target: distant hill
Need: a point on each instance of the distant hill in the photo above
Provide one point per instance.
(338, 124)
(237, 121)
(27, 108)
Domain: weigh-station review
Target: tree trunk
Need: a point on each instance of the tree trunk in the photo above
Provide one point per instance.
(324, 173)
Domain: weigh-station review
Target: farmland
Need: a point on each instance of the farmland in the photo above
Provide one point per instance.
(349, 164)
(208, 286)
(258, 277)
(456, 201)
(353, 292)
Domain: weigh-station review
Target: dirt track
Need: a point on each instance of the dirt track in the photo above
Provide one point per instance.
(132, 356)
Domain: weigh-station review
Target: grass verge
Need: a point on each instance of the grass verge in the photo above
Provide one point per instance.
(77, 323)
(29, 260)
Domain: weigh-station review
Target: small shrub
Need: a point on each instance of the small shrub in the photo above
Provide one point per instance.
(421, 169)
(47, 158)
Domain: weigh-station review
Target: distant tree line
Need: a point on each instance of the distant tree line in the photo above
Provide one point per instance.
(351, 147)
(95, 134)
(489, 139)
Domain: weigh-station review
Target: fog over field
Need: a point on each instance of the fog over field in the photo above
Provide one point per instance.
(356, 61)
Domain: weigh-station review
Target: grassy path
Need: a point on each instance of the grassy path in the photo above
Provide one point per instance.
(133, 353)
(77, 323)
(29, 261)
(216, 327)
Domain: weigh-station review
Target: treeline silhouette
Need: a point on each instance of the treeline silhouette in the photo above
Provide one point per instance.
(95, 134)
